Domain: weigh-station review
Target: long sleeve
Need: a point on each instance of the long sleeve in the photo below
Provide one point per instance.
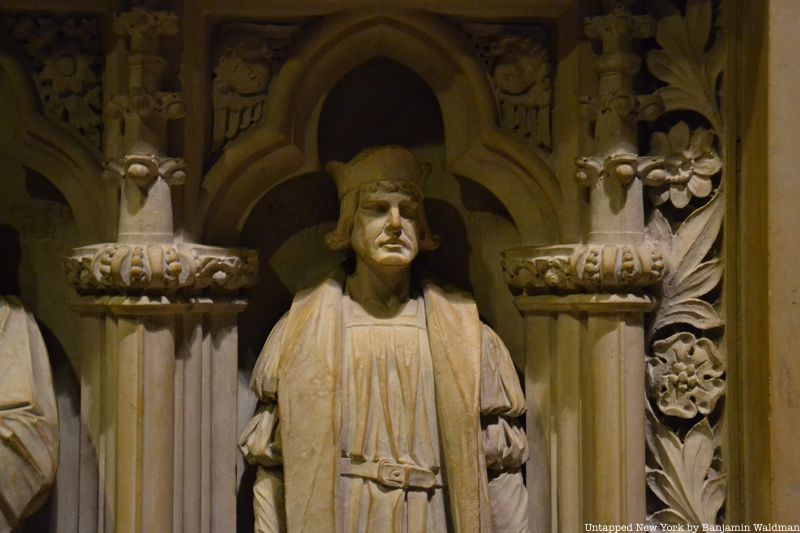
(261, 439)
(504, 443)
(28, 416)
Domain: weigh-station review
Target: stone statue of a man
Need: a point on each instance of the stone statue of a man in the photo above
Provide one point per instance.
(387, 406)
(28, 416)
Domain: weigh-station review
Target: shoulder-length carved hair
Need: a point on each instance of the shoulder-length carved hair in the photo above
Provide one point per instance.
(339, 239)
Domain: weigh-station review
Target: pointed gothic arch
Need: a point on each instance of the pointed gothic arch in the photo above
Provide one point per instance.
(284, 143)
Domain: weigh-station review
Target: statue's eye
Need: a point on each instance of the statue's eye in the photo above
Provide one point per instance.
(375, 208)
(410, 210)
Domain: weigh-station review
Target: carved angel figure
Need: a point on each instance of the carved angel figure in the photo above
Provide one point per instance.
(386, 405)
(28, 416)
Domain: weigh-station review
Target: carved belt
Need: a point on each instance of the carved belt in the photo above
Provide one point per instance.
(394, 475)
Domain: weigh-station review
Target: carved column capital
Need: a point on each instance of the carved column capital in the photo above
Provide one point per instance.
(611, 268)
(114, 268)
(144, 169)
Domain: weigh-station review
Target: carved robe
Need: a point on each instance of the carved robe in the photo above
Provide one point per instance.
(28, 416)
(464, 371)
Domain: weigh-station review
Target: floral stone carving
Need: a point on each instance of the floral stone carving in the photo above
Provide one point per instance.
(684, 375)
(130, 267)
(682, 165)
(66, 60)
(691, 277)
(685, 363)
(686, 62)
(682, 474)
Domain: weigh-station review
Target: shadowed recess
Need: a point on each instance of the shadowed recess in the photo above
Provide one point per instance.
(379, 102)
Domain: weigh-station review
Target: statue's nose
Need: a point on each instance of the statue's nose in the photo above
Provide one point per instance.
(394, 219)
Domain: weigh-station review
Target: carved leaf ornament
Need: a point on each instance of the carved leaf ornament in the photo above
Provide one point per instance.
(690, 277)
(685, 366)
(684, 65)
(684, 478)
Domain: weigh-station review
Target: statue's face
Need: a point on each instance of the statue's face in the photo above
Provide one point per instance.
(386, 228)
(515, 77)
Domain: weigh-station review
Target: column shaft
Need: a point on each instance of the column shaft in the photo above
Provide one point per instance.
(616, 423)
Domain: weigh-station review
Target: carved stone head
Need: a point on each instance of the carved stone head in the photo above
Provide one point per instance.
(381, 214)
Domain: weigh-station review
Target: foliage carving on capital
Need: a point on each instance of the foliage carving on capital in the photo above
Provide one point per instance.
(617, 66)
(621, 167)
(65, 58)
(589, 268)
(247, 58)
(519, 67)
(122, 268)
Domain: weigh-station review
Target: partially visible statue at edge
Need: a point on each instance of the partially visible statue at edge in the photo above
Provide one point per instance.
(386, 405)
(28, 416)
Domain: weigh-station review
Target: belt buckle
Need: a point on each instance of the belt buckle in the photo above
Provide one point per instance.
(392, 474)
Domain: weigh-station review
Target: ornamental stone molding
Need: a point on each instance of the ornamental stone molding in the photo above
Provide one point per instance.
(519, 68)
(247, 57)
(125, 268)
(588, 169)
(64, 53)
(591, 268)
(686, 361)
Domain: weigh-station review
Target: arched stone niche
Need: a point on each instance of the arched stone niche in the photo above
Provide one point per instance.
(53, 199)
(285, 143)
(378, 102)
(36, 225)
(49, 149)
(474, 162)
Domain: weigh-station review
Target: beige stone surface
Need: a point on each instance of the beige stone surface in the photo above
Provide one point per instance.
(28, 416)
(224, 144)
(376, 416)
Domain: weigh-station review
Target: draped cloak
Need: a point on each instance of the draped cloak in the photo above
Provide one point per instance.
(28, 416)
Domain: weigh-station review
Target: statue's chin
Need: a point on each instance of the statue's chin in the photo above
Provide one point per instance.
(393, 259)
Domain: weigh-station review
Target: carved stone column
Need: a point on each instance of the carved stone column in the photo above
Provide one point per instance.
(160, 332)
(584, 309)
